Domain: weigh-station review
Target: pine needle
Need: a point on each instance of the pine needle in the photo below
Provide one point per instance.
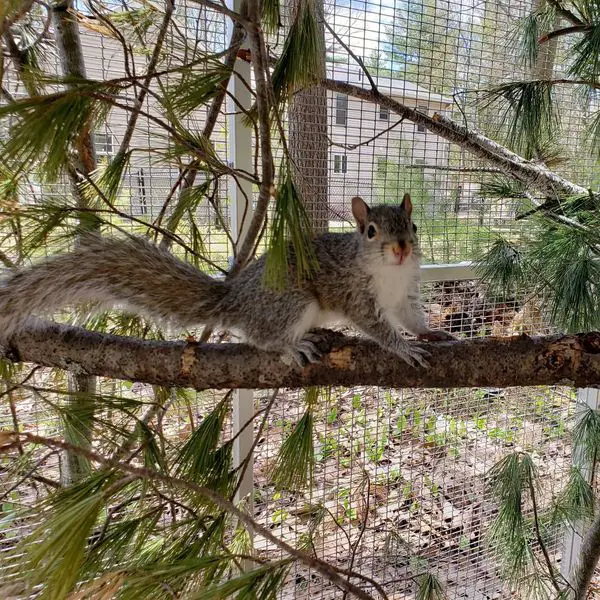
(47, 128)
(195, 90)
(501, 267)
(291, 248)
(576, 502)
(55, 551)
(271, 15)
(295, 462)
(429, 588)
(301, 63)
(586, 55)
(565, 259)
(509, 533)
(528, 108)
(586, 435)
(108, 179)
(189, 200)
(262, 583)
(528, 31)
(201, 459)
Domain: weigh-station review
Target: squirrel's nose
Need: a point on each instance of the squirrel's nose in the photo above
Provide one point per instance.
(399, 247)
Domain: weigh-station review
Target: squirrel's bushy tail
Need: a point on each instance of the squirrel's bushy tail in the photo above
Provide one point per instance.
(129, 272)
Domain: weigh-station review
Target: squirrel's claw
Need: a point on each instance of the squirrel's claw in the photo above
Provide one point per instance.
(305, 352)
(413, 355)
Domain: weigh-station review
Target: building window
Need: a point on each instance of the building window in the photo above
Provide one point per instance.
(341, 109)
(340, 163)
(142, 207)
(421, 128)
(384, 113)
(104, 144)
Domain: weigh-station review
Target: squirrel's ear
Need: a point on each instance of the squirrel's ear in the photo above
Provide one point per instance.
(407, 204)
(360, 210)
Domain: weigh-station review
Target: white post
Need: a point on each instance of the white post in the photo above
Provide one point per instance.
(573, 537)
(240, 152)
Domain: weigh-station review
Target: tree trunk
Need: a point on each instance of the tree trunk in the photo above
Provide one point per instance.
(309, 145)
(478, 362)
(82, 388)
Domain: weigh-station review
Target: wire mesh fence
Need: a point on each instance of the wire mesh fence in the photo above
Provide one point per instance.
(398, 486)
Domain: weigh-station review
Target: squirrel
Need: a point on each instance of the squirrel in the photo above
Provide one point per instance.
(369, 278)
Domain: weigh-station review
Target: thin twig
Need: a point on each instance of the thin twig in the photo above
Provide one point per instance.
(139, 101)
(538, 535)
(363, 527)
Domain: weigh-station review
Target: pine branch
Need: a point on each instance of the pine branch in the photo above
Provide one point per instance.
(563, 31)
(9, 438)
(534, 175)
(260, 64)
(496, 362)
(17, 15)
(565, 12)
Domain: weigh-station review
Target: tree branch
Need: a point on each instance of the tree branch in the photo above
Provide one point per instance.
(499, 362)
(328, 571)
(565, 13)
(534, 175)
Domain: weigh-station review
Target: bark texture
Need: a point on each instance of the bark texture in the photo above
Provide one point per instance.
(309, 150)
(308, 142)
(498, 362)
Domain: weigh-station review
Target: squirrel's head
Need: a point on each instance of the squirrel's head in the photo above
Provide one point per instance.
(388, 234)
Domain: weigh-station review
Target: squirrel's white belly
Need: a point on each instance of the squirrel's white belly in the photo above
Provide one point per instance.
(392, 284)
(313, 317)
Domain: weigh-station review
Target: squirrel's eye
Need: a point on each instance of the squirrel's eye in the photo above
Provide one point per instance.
(414, 228)
(371, 232)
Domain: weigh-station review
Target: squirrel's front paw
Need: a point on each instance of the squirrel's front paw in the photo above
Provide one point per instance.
(306, 351)
(414, 355)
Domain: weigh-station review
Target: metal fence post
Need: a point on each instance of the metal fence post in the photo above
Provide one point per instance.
(240, 152)
(573, 537)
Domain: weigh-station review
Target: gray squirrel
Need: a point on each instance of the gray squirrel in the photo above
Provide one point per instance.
(369, 278)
